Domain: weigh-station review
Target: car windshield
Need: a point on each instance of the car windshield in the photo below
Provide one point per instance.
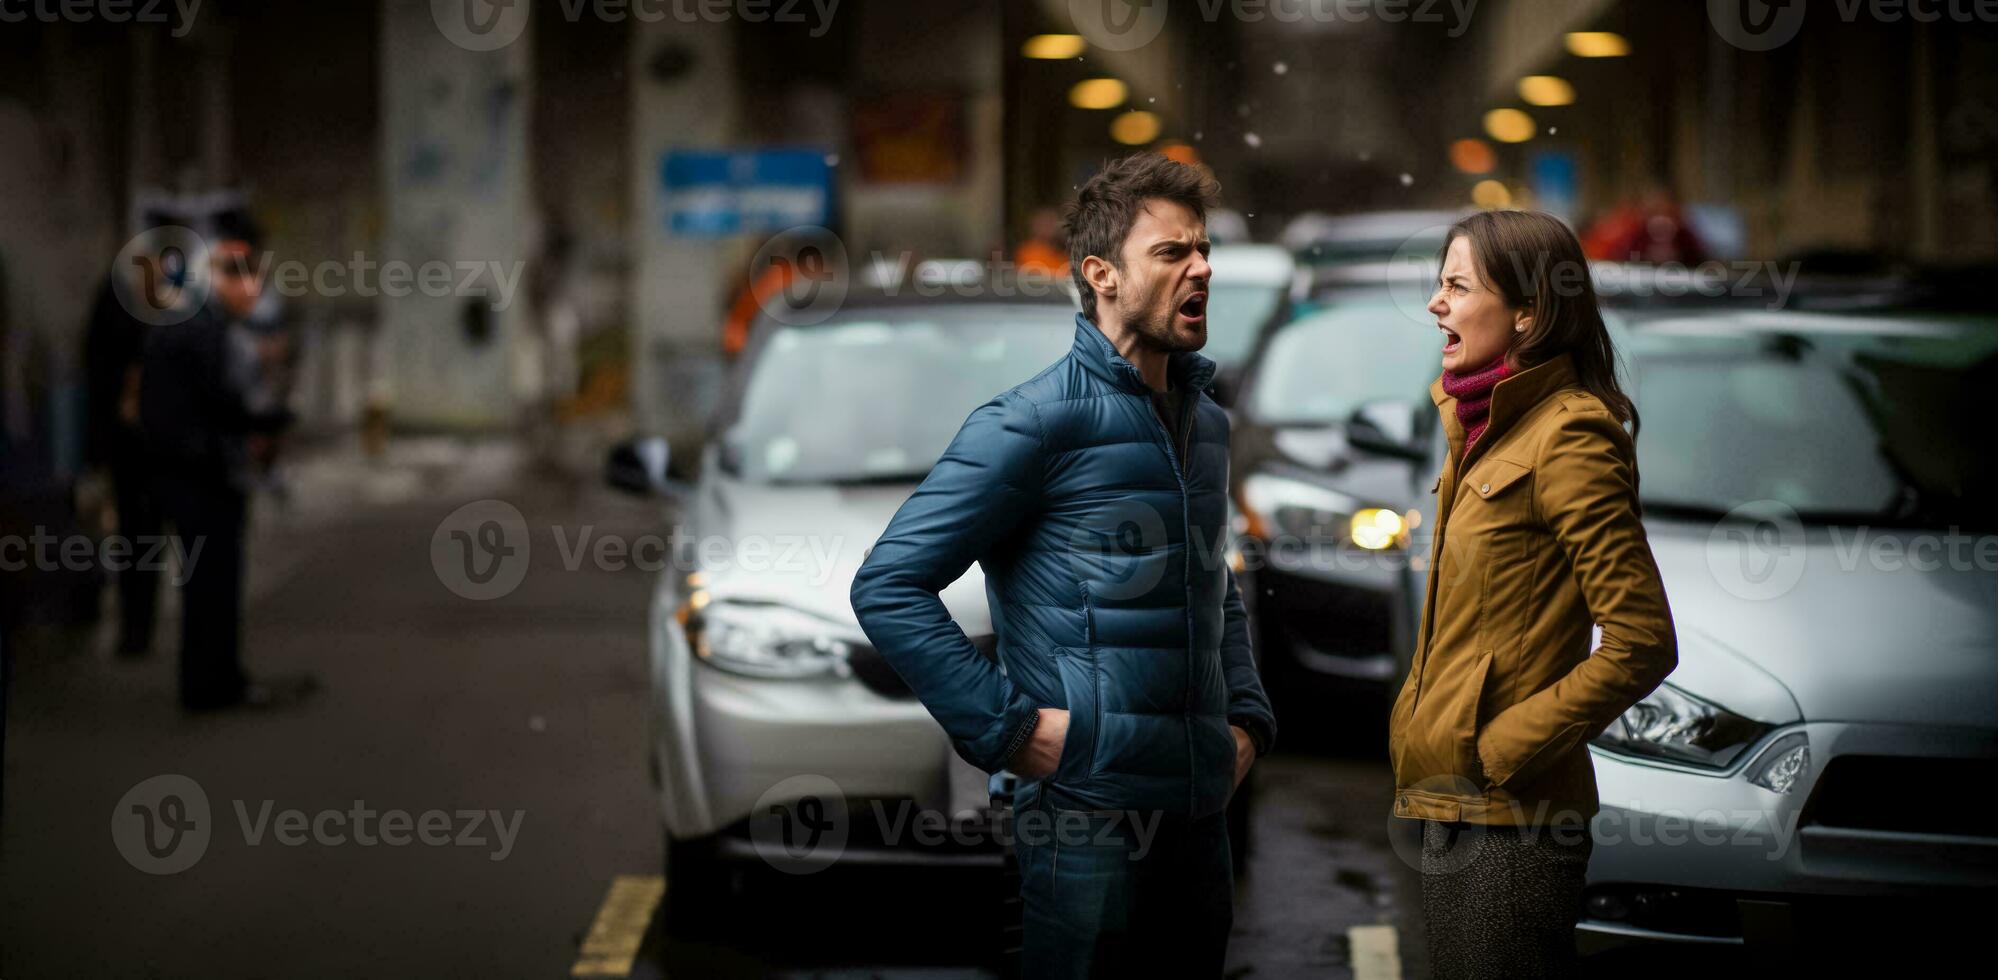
(1234, 315)
(1842, 419)
(1317, 369)
(876, 395)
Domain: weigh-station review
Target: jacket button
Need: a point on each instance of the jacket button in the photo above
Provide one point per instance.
(1485, 488)
(1401, 801)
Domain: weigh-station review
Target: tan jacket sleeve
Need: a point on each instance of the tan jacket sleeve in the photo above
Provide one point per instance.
(1585, 490)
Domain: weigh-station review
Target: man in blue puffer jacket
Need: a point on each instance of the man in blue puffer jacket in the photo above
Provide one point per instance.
(1125, 695)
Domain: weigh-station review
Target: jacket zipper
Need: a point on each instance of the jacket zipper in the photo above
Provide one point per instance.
(1185, 584)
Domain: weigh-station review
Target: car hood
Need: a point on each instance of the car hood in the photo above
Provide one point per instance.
(1853, 639)
(801, 545)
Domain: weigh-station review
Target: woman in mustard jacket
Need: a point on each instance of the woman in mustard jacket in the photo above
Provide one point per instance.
(1537, 541)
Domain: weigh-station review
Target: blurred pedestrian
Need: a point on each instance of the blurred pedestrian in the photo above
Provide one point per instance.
(1538, 542)
(1650, 229)
(1044, 251)
(1125, 696)
(113, 342)
(200, 403)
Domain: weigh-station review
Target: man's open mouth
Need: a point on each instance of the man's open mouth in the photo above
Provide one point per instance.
(1195, 306)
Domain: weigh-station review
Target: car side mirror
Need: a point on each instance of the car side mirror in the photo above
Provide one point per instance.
(638, 466)
(1387, 427)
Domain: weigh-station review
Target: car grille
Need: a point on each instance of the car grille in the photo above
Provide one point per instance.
(1898, 793)
(874, 672)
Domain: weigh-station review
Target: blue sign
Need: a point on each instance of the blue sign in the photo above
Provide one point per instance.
(1556, 188)
(714, 193)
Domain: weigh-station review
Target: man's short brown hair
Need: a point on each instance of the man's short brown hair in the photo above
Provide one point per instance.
(1103, 212)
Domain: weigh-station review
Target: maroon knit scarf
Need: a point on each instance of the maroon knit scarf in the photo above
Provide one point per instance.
(1473, 393)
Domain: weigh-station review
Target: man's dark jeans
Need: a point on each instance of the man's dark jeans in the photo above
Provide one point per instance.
(1113, 893)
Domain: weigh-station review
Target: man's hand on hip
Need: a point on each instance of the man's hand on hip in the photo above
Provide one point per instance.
(1245, 752)
(1038, 758)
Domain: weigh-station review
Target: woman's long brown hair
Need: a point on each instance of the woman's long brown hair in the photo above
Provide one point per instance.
(1536, 263)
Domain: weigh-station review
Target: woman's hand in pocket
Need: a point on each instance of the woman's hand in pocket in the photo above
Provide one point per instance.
(1038, 758)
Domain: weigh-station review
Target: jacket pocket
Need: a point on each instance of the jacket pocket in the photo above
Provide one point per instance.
(1079, 689)
(1492, 477)
(1439, 741)
(1082, 689)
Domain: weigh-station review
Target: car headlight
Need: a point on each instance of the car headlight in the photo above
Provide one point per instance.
(763, 639)
(1673, 725)
(1280, 505)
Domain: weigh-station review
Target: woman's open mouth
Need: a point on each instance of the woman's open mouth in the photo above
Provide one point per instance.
(1450, 339)
(1195, 307)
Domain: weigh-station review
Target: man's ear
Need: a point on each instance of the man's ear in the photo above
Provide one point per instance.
(1101, 276)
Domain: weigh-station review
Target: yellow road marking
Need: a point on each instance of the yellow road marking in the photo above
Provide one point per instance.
(620, 926)
(1376, 953)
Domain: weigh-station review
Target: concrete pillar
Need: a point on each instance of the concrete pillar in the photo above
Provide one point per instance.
(682, 96)
(455, 196)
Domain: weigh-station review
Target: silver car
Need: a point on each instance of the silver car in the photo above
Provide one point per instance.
(1823, 520)
(765, 691)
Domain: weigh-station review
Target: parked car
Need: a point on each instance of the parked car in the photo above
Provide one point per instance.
(1818, 500)
(1248, 295)
(1367, 247)
(1329, 450)
(760, 673)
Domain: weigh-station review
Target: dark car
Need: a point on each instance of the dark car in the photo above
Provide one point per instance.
(1332, 433)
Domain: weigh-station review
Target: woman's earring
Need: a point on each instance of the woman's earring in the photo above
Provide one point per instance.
(1519, 329)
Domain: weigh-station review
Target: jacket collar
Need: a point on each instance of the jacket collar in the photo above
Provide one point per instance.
(1187, 370)
(1512, 398)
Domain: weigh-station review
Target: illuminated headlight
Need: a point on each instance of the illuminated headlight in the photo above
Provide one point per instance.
(1377, 528)
(763, 639)
(1280, 506)
(1785, 765)
(1673, 725)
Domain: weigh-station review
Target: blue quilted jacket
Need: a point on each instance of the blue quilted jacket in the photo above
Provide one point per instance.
(1110, 592)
